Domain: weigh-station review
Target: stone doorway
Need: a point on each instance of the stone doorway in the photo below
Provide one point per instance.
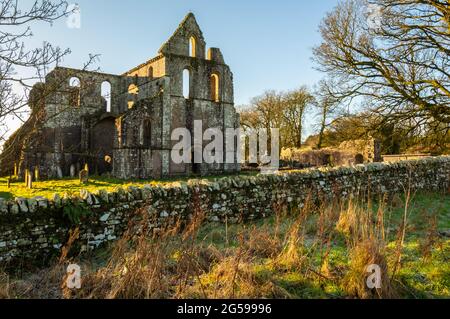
(102, 145)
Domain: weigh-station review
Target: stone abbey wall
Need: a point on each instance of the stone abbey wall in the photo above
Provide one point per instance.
(126, 130)
(35, 229)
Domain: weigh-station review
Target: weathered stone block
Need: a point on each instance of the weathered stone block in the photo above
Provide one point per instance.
(3, 206)
(32, 205)
(22, 202)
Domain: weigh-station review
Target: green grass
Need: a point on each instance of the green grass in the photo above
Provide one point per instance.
(47, 188)
(242, 267)
(418, 277)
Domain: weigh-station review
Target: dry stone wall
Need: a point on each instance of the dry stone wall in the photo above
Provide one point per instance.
(35, 229)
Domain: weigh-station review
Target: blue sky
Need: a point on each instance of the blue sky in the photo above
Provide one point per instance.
(266, 43)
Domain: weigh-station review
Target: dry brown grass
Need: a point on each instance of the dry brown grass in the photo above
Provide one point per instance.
(291, 255)
(175, 263)
(4, 286)
(365, 236)
(260, 242)
(234, 277)
(365, 253)
(431, 238)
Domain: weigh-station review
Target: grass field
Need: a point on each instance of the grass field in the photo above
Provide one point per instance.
(323, 258)
(319, 252)
(73, 186)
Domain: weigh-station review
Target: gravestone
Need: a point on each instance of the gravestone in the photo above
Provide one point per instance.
(29, 181)
(84, 176)
(59, 173)
(72, 171)
(36, 173)
(25, 177)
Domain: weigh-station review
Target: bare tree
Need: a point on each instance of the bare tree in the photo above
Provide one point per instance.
(282, 110)
(327, 106)
(269, 107)
(16, 21)
(399, 63)
(295, 106)
(249, 117)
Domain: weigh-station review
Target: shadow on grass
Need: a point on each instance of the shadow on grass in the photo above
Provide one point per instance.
(409, 288)
(6, 195)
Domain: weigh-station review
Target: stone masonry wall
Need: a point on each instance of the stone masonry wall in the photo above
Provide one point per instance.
(34, 230)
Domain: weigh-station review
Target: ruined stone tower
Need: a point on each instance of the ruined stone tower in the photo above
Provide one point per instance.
(122, 124)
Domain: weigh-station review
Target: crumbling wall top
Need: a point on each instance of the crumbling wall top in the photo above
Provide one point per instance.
(179, 42)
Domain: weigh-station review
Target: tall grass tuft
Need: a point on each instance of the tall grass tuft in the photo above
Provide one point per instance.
(365, 237)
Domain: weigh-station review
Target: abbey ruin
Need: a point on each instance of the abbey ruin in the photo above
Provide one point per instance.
(122, 124)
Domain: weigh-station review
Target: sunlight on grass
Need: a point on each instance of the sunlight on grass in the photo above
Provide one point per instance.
(73, 186)
(274, 258)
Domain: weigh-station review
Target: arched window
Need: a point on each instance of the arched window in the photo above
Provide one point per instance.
(192, 47)
(186, 83)
(150, 72)
(75, 88)
(215, 96)
(106, 94)
(146, 133)
(133, 89)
